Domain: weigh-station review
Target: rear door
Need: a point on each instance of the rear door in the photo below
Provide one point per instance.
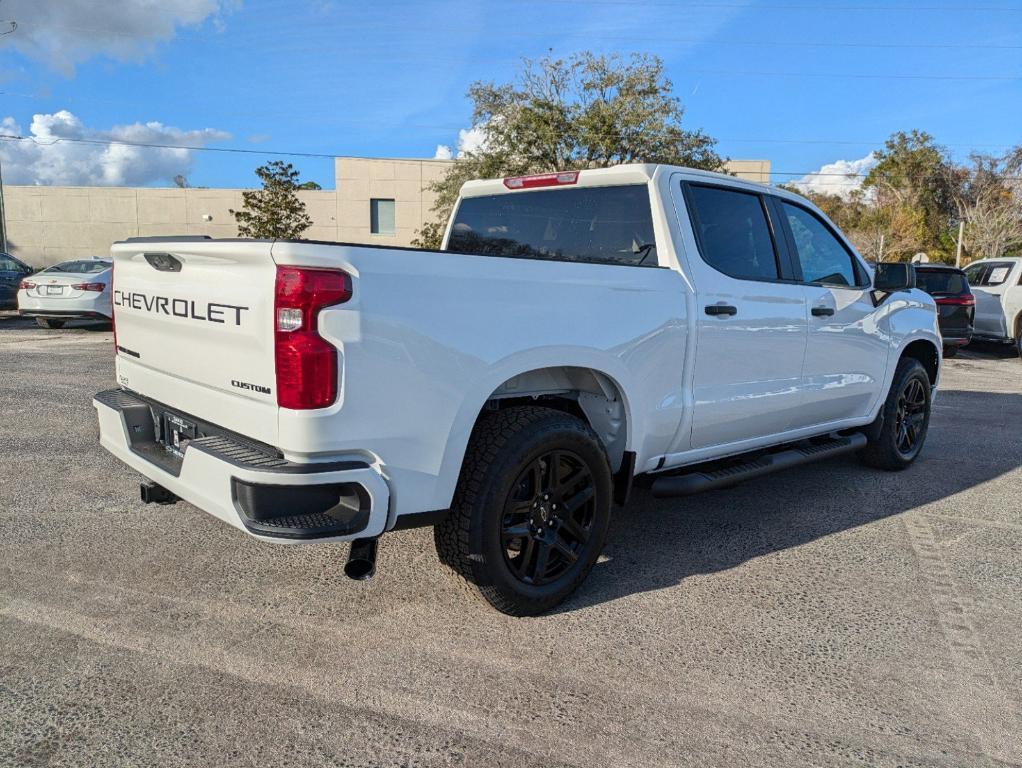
(846, 350)
(751, 319)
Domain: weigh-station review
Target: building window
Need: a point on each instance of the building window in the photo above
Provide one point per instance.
(381, 216)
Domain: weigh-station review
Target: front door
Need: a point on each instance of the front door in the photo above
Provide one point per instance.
(846, 351)
(751, 320)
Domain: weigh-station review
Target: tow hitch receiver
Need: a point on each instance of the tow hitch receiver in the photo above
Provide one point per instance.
(152, 493)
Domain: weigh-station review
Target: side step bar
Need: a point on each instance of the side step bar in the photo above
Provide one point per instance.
(695, 481)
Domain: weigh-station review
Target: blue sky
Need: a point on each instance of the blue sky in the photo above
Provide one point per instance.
(800, 83)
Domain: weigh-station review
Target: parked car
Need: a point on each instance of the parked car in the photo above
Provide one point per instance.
(12, 272)
(575, 329)
(956, 306)
(997, 284)
(66, 291)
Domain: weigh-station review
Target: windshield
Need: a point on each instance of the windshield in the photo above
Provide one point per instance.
(83, 267)
(608, 225)
(937, 281)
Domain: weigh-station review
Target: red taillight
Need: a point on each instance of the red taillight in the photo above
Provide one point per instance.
(968, 300)
(542, 180)
(93, 287)
(26, 285)
(306, 363)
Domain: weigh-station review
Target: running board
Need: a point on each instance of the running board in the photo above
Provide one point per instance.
(695, 481)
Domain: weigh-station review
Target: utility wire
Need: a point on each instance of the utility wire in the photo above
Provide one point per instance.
(798, 7)
(148, 145)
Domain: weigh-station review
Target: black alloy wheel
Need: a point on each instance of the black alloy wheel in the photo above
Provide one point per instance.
(910, 417)
(548, 517)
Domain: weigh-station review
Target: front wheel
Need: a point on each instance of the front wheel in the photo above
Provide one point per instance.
(531, 510)
(898, 435)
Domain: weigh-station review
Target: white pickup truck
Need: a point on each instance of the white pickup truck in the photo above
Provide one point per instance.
(574, 331)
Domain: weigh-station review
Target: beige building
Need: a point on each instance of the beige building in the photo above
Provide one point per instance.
(380, 201)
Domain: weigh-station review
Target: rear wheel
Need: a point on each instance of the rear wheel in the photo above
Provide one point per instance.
(531, 510)
(905, 419)
(950, 351)
(46, 322)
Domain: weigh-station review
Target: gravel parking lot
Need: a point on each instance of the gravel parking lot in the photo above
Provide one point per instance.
(831, 615)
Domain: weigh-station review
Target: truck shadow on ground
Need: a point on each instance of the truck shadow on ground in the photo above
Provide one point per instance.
(658, 543)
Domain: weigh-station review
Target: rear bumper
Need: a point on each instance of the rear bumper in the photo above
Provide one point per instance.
(266, 496)
(94, 305)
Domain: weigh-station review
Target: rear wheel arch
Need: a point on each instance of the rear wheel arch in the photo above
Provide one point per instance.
(590, 395)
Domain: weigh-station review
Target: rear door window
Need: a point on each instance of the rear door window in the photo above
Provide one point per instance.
(733, 233)
(604, 225)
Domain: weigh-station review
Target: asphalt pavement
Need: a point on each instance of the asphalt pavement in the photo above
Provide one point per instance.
(830, 615)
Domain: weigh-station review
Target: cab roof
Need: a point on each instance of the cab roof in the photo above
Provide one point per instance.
(634, 173)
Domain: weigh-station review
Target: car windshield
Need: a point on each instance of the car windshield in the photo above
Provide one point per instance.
(938, 281)
(82, 267)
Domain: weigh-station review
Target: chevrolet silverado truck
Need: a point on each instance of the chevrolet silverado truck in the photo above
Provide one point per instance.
(576, 330)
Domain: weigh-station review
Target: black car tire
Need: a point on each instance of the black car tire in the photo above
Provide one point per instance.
(951, 351)
(46, 322)
(535, 487)
(897, 437)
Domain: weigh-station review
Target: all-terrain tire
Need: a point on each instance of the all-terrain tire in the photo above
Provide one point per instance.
(897, 437)
(506, 446)
(46, 322)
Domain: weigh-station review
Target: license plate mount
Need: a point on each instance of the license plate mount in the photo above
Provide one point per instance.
(176, 432)
(54, 290)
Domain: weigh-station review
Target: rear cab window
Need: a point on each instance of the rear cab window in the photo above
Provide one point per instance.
(600, 225)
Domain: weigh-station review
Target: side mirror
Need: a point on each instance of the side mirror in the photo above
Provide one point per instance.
(894, 277)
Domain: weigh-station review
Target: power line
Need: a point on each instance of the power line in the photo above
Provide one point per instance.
(798, 7)
(149, 145)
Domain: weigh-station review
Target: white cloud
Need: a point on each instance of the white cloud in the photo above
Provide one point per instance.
(68, 32)
(842, 177)
(471, 139)
(48, 160)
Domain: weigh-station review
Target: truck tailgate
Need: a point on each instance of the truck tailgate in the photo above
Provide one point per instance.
(194, 328)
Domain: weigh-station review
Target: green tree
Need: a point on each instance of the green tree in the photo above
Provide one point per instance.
(912, 190)
(586, 111)
(273, 212)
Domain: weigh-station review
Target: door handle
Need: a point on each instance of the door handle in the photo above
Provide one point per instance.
(721, 309)
(823, 311)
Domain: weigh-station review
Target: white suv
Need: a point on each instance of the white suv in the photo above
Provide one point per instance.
(997, 284)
